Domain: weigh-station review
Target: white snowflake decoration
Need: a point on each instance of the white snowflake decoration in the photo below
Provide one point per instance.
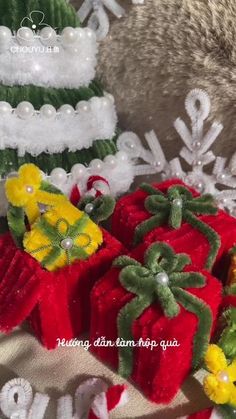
(196, 153)
(98, 18)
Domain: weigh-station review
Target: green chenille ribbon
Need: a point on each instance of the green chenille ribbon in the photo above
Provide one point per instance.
(56, 237)
(146, 283)
(103, 207)
(16, 216)
(227, 340)
(177, 206)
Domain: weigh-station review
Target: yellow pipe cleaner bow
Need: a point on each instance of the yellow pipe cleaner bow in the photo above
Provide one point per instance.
(26, 191)
(219, 385)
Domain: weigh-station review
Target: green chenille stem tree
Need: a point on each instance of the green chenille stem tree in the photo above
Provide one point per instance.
(58, 14)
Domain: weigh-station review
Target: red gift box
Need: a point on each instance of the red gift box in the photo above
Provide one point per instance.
(158, 373)
(204, 414)
(130, 212)
(56, 303)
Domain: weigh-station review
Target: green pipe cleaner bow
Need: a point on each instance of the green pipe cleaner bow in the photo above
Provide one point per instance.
(161, 279)
(57, 238)
(176, 206)
(101, 207)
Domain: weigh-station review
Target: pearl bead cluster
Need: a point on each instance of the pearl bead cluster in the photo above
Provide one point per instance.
(69, 37)
(25, 110)
(59, 177)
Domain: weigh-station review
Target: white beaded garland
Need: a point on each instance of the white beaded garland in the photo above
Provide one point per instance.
(58, 176)
(162, 278)
(78, 171)
(24, 110)
(5, 108)
(48, 36)
(25, 36)
(69, 36)
(48, 111)
(66, 110)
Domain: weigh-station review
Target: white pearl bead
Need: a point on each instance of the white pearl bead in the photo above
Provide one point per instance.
(5, 38)
(222, 176)
(105, 102)
(178, 202)
(25, 36)
(96, 165)
(66, 110)
(80, 33)
(5, 108)
(25, 110)
(48, 111)
(83, 106)
(69, 36)
(224, 377)
(198, 163)
(162, 278)
(29, 189)
(110, 161)
(199, 186)
(89, 33)
(48, 36)
(67, 243)
(122, 156)
(110, 97)
(78, 171)
(224, 201)
(89, 208)
(58, 176)
(196, 145)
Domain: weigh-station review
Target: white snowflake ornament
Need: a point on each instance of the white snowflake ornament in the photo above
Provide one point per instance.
(197, 153)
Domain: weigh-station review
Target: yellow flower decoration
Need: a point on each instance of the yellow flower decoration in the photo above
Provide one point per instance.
(61, 236)
(219, 385)
(24, 191)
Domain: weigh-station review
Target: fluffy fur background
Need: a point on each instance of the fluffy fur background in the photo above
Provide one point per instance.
(160, 51)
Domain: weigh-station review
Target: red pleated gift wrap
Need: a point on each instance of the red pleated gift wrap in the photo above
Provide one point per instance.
(158, 373)
(57, 304)
(131, 213)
